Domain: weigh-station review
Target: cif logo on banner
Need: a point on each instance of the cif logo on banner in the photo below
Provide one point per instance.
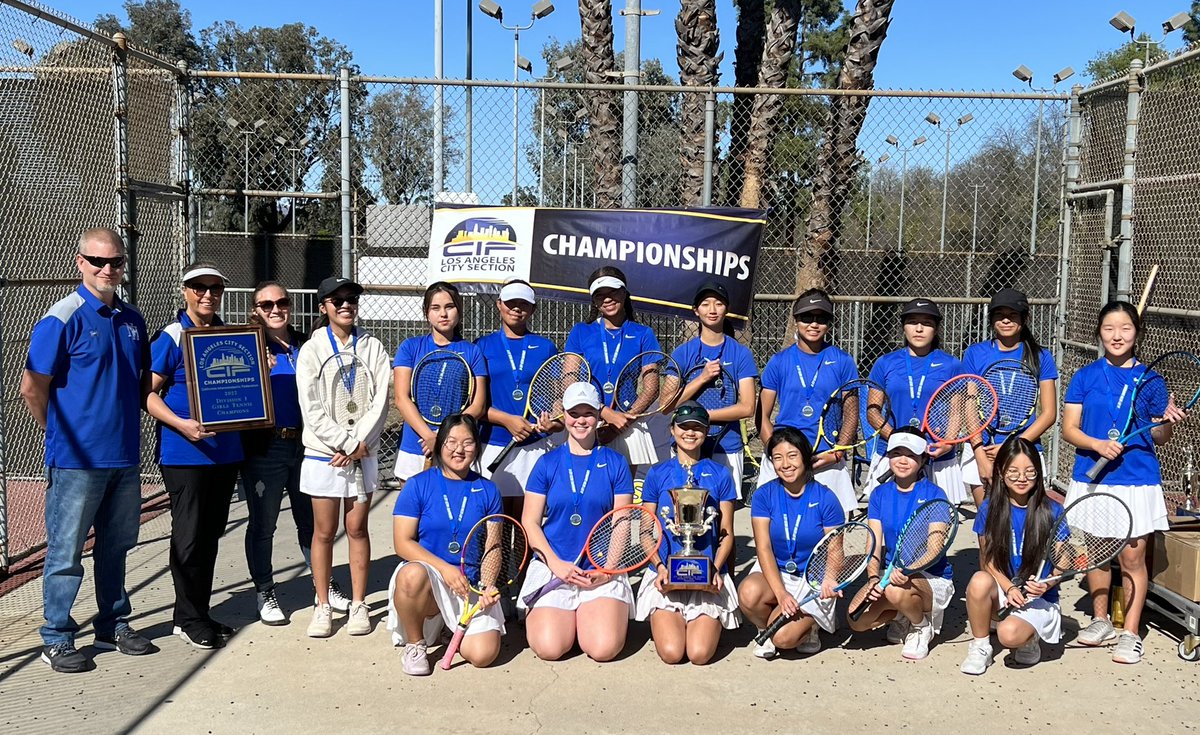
(227, 361)
(480, 243)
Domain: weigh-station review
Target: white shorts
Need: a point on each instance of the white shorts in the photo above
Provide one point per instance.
(970, 466)
(943, 593)
(1145, 502)
(836, 477)
(408, 464)
(689, 603)
(879, 465)
(450, 605)
(512, 475)
(320, 479)
(824, 612)
(946, 473)
(637, 443)
(569, 596)
(1045, 617)
(736, 464)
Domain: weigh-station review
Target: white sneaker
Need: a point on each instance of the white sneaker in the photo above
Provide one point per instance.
(269, 611)
(415, 660)
(321, 625)
(1030, 653)
(1128, 649)
(811, 643)
(1097, 633)
(764, 650)
(898, 629)
(916, 641)
(337, 599)
(360, 619)
(979, 657)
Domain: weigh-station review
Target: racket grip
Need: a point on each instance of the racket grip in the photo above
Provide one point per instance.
(500, 457)
(359, 484)
(772, 629)
(857, 612)
(537, 594)
(1097, 468)
(885, 477)
(452, 647)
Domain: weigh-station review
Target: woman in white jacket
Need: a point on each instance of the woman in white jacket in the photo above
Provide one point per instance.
(331, 448)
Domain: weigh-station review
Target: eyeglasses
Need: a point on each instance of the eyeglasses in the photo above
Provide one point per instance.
(814, 317)
(339, 301)
(1017, 475)
(284, 303)
(467, 445)
(100, 262)
(216, 289)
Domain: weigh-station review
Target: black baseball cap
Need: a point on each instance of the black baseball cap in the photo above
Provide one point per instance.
(924, 307)
(334, 283)
(715, 288)
(690, 412)
(813, 302)
(1009, 298)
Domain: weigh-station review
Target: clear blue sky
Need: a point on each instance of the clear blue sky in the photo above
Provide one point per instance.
(932, 44)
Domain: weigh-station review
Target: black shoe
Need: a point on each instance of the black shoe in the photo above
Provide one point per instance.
(223, 631)
(63, 658)
(126, 640)
(199, 637)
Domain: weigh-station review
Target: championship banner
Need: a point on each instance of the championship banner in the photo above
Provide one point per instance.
(665, 253)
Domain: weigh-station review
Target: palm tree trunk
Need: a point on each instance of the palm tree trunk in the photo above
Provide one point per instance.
(777, 57)
(696, 50)
(746, 59)
(596, 34)
(837, 159)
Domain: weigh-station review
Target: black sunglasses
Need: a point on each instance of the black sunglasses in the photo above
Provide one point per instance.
(98, 261)
(216, 289)
(814, 317)
(338, 301)
(284, 303)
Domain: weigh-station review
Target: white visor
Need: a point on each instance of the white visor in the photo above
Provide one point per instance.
(517, 291)
(581, 394)
(198, 272)
(913, 443)
(605, 282)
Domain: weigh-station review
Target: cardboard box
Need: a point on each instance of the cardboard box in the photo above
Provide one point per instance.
(1177, 562)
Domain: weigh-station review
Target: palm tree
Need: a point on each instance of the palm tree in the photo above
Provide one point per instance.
(837, 157)
(751, 27)
(596, 34)
(696, 50)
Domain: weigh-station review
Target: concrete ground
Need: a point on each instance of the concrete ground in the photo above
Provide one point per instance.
(276, 680)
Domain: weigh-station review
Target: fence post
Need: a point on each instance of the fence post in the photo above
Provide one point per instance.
(347, 211)
(183, 157)
(1125, 250)
(3, 453)
(710, 124)
(126, 208)
(1070, 180)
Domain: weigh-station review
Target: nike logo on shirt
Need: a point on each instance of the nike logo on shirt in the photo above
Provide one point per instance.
(706, 474)
(727, 362)
(631, 336)
(476, 489)
(814, 505)
(829, 362)
(602, 464)
(935, 364)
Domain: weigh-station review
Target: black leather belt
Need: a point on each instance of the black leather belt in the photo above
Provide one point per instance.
(287, 432)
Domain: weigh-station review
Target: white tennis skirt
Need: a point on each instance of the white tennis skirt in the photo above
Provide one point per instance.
(637, 443)
(970, 466)
(1145, 502)
(320, 479)
(736, 463)
(691, 604)
(512, 475)
(408, 465)
(450, 606)
(947, 474)
(836, 477)
(943, 593)
(569, 596)
(1045, 617)
(824, 612)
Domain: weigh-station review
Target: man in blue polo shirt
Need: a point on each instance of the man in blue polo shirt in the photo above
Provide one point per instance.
(84, 382)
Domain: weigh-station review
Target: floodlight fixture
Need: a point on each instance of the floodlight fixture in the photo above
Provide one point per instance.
(524, 64)
(883, 158)
(22, 46)
(1175, 22)
(1123, 22)
(933, 119)
(1065, 73)
(892, 140)
(1024, 73)
(282, 140)
(259, 123)
(493, 9)
(919, 141)
(232, 122)
(564, 63)
(304, 141)
(542, 9)
(966, 119)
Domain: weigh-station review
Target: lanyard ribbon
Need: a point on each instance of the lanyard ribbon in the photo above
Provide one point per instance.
(347, 376)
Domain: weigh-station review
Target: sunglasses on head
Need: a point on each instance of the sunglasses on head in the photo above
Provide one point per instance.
(284, 303)
(98, 261)
(339, 301)
(216, 289)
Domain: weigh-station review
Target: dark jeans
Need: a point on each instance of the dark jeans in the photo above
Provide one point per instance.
(200, 496)
(265, 479)
(77, 500)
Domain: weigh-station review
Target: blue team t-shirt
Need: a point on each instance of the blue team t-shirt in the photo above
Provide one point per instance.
(551, 477)
(894, 370)
(737, 360)
(1016, 541)
(512, 363)
(96, 357)
(892, 508)
(608, 350)
(166, 359)
(284, 394)
(664, 477)
(1104, 392)
(446, 510)
(980, 356)
(797, 523)
(410, 352)
(800, 379)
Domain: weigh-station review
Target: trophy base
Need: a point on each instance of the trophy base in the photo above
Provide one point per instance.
(689, 572)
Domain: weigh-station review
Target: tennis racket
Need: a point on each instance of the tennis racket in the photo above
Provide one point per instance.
(648, 381)
(841, 427)
(922, 542)
(345, 389)
(1089, 534)
(545, 393)
(958, 411)
(442, 385)
(839, 558)
(1174, 375)
(625, 539)
(719, 391)
(1017, 396)
(493, 556)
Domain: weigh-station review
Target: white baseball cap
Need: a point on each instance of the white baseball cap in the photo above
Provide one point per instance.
(605, 282)
(514, 291)
(913, 443)
(581, 394)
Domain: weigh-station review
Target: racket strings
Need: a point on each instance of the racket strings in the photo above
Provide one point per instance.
(960, 409)
(623, 540)
(1090, 533)
(494, 554)
(841, 556)
(441, 386)
(647, 381)
(346, 387)
(1017, 393)
(926, 536)
(551, 381)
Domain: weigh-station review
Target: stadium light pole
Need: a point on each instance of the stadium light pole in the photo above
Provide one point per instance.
(1024, 74)
(870, 193)
(295, 151)
(949, 129)
(252, 129)
(560, 66)
(974, 231)
(1125, 23)
(895, 143)
(539, 10)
